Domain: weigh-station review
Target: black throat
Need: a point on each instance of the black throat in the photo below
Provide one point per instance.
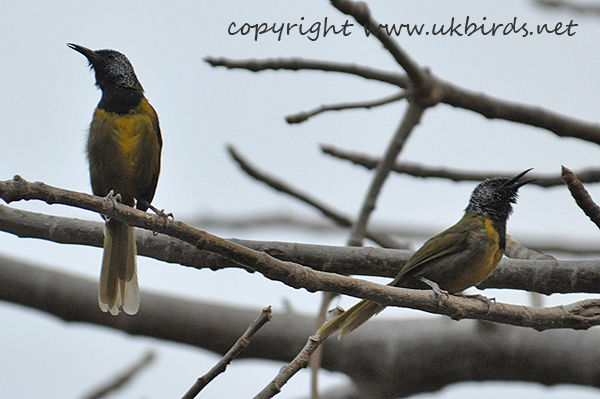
(120, 100)
(500, 226)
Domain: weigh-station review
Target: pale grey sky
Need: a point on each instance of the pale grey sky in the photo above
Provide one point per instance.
(47, 96)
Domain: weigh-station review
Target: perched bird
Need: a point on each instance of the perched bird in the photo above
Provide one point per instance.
(460, 257)
(123, 150)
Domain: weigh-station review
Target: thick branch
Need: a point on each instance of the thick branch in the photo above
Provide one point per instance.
(473, 351)
(580, 315)
(544, 276)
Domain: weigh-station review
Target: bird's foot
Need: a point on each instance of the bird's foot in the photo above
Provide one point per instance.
(439, 293)
(114, 199)
(159, 212)
(482, 298)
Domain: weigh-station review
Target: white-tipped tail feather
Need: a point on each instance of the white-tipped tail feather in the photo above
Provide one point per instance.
(118, 279)
(350, 320)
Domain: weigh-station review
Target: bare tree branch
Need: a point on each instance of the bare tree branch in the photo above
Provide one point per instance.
(493, 108)
(285, 188)
(476, 351)
(587, 8)
(297, 64)
(360, 12)
(581, 196)
(411, 118)
(590, 175)
(579, 315)
(317, 357)
(120, 380)
(453, 95)
(304, 116)
(516, 250)
(285, 218)
(288, 371)
(544, 276)
(235, 350)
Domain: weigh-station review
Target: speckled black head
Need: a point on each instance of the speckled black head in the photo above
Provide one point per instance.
(494, 197)
(111, 67)
(121, 89)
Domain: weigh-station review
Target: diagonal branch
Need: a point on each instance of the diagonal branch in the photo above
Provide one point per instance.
(579, 315)
(581, 196)
(543, 276)
(123, 378)
(590, 175)
(328, 212)
(494, 108)
(231, 354)
(411, 118)
(360, 12)
(288, 371)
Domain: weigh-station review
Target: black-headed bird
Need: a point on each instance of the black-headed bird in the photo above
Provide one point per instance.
(123, 150)
(458, 258)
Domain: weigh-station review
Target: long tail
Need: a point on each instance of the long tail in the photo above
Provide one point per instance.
(118, 278)
(351, 319)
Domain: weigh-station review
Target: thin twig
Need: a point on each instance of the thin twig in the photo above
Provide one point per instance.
(297, 64)
(304, 116)
(285, 188)
(239, 346)
(588, 8)
(411, 118)
(590, 175)
(117, 382)
(288, 371)
(581, 196)
(317, 357)
(579, 315)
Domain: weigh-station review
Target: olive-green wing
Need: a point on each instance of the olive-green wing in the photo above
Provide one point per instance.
(450, 241)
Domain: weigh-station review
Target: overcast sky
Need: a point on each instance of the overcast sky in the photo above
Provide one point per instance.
(47, 97)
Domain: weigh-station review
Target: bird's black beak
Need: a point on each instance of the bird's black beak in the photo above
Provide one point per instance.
(91, 55)
(514, 183)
